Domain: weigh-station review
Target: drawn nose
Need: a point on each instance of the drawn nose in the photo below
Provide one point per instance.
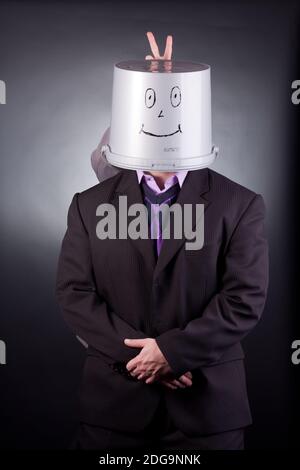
(161, 114)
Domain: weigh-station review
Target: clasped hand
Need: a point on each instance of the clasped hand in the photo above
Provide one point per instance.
(150, 365)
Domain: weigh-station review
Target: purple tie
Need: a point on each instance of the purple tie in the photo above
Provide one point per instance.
(153, 201)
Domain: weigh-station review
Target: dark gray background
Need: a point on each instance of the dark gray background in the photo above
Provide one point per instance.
(57, 61)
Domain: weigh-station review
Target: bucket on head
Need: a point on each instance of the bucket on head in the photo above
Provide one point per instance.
(161, 116)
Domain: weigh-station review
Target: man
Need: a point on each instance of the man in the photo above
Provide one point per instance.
(163, 324)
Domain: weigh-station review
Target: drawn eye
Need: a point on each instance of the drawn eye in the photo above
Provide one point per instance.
(175, 96)
(150, 97)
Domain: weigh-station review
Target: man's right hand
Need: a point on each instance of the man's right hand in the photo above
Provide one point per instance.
(184, 381)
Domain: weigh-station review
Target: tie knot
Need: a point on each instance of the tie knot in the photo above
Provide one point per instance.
(167, 197)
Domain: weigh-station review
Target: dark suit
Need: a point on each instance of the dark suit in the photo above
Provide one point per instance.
(198, 305)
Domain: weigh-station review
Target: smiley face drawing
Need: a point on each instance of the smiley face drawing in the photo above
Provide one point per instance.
(151, 102)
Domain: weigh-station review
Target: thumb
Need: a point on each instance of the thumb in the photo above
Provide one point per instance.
(188, 374)
(135, 343)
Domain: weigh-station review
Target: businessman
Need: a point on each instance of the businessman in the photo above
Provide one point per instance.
(163, 324)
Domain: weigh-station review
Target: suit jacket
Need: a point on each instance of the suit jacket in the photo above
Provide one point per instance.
(198, 305)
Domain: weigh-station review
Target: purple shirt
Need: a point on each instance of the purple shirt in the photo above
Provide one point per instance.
(151, 183)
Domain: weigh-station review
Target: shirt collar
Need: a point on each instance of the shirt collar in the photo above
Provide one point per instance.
(181, 175)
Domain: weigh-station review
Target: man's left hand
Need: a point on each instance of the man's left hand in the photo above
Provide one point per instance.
(150, 364)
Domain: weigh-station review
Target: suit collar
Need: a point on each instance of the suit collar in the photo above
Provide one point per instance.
(195, 181)
(180, 175)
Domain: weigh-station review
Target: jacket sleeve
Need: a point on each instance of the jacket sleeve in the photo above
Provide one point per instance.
(236, 308)
(84, 310)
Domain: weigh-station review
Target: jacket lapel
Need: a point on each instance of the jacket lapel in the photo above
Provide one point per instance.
(195, 185)
(128, 186)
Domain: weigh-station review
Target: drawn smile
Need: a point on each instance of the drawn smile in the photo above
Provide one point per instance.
(160, 135)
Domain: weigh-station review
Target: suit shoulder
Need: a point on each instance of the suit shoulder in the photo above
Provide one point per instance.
(221, 184)
(99, 191)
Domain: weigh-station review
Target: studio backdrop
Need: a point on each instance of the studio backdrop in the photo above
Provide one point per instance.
(56, 69)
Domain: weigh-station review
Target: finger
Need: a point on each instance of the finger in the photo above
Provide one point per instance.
(144, 375)
(178, 383)
(168, 49)
(169, 385)
(188, 374)
(153, 45)
(135, 343)
(149, 57)
(132, 364)
(186, 381)
(150, 380)
(135, 372)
